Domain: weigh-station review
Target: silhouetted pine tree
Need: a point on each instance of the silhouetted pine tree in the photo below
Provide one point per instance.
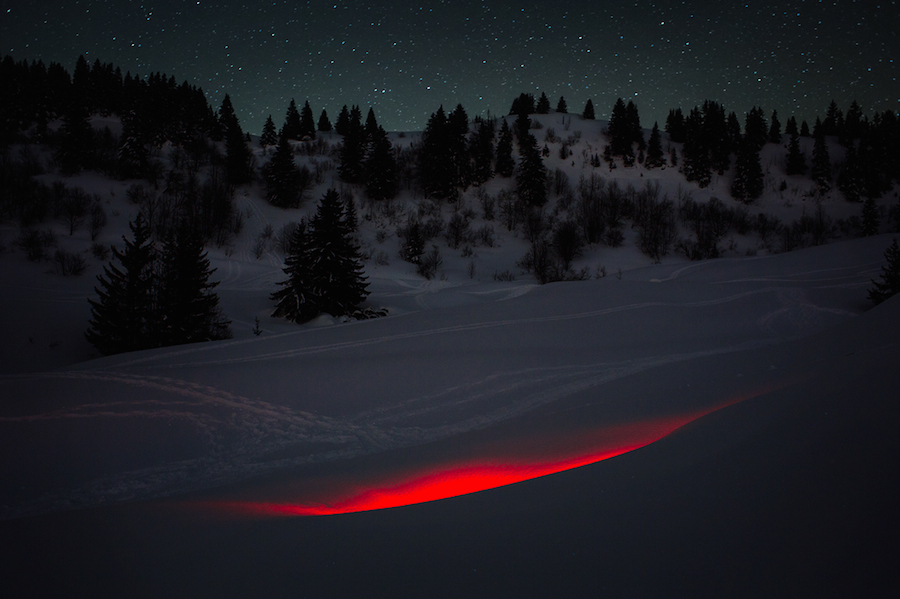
(237, 154)
(457, 138)
(695, 155)
(123, 317)
(561, 106)
(620, 132)
(790, 128)
(307, 123)
(133, 154)
(381, 167)
(654, 149)
(324, 124)
(371, 126)
(353, 150)
(531, 174)
(850, 181)
(588, 113)
(796, 161)
(821, 163)
(269, 135)
(282, 176)
(748, 176)
(342, 125)
(436, 168)
(755, 129)
(716, 137)
(889, 285)
(292, 126)
(775, 129)
(543, 104)
(524, 104)
(505, 163)
(296, 300)
(338, 279)
(675, 126)
(871, 220)
(834, 120)
(187, 305)
(481, 148)
(804, 129)
(733, 127)
(854, 126)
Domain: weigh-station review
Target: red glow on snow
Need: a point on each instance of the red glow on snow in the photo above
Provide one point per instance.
(495, 465)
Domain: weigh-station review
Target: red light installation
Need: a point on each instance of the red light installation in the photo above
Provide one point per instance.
(491, 464)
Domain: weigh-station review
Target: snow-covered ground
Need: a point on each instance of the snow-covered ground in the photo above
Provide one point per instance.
(125, 475)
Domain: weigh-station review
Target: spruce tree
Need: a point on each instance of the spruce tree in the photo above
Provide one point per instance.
(76, 145)
(775, 129)
(292, 126)
(381, 171)
(561, 106)
(437, 170)
(307, 124)
(282, 176)
(695, 155)
(850, 181)
(871, 220)
(338, 279)
(342, 125)
(457, 138)
(796, 161)
(481, 148)
(186, 303)
(748, 176)
(821, 163)
(237, 154)
(755, 129)
(588, 113)
(675, 126)
(531, 174)
(269, 135)
(324, 124)
(543, 104)
(353, 150)
(296, 299)
(620, 131)
(505, 163)
(123, 318)
(133, 154)
(889, 285)
(654, 149)
(790, 127)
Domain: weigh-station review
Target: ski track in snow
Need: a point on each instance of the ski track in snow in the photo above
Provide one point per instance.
(317, 349)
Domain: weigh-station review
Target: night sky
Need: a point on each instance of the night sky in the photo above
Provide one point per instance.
(405, 58)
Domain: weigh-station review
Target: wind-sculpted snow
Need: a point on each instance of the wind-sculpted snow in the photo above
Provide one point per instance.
(165, 422)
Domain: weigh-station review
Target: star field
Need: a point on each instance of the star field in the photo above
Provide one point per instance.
(404, 57)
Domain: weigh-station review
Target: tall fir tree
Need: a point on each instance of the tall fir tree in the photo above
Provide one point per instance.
(381, 171)
(123, 318)
(307, 123)
(796, 161)
(654, 149)
(457, 138)
(292, 126)
(296, 299)
(436, 162)
(76, 144)
(282, 177)
(237, 154)
(620, 131)
(675, 126)
(505, 163)
(338, 279)
(342, 125)
(755, 128)
(353, 150)
(269, 135)
(133, 154)
(775, 129)
(188, 307)
(531, 174)
(748, 176)
(561, 106)
(695, 155)
(588, 113)
(481, 148)
(850, 181)
(821, 163)
(324, 124)
(543, 104)
(889, 285)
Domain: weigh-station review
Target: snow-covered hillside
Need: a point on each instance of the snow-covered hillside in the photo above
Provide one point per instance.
(753, 396)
